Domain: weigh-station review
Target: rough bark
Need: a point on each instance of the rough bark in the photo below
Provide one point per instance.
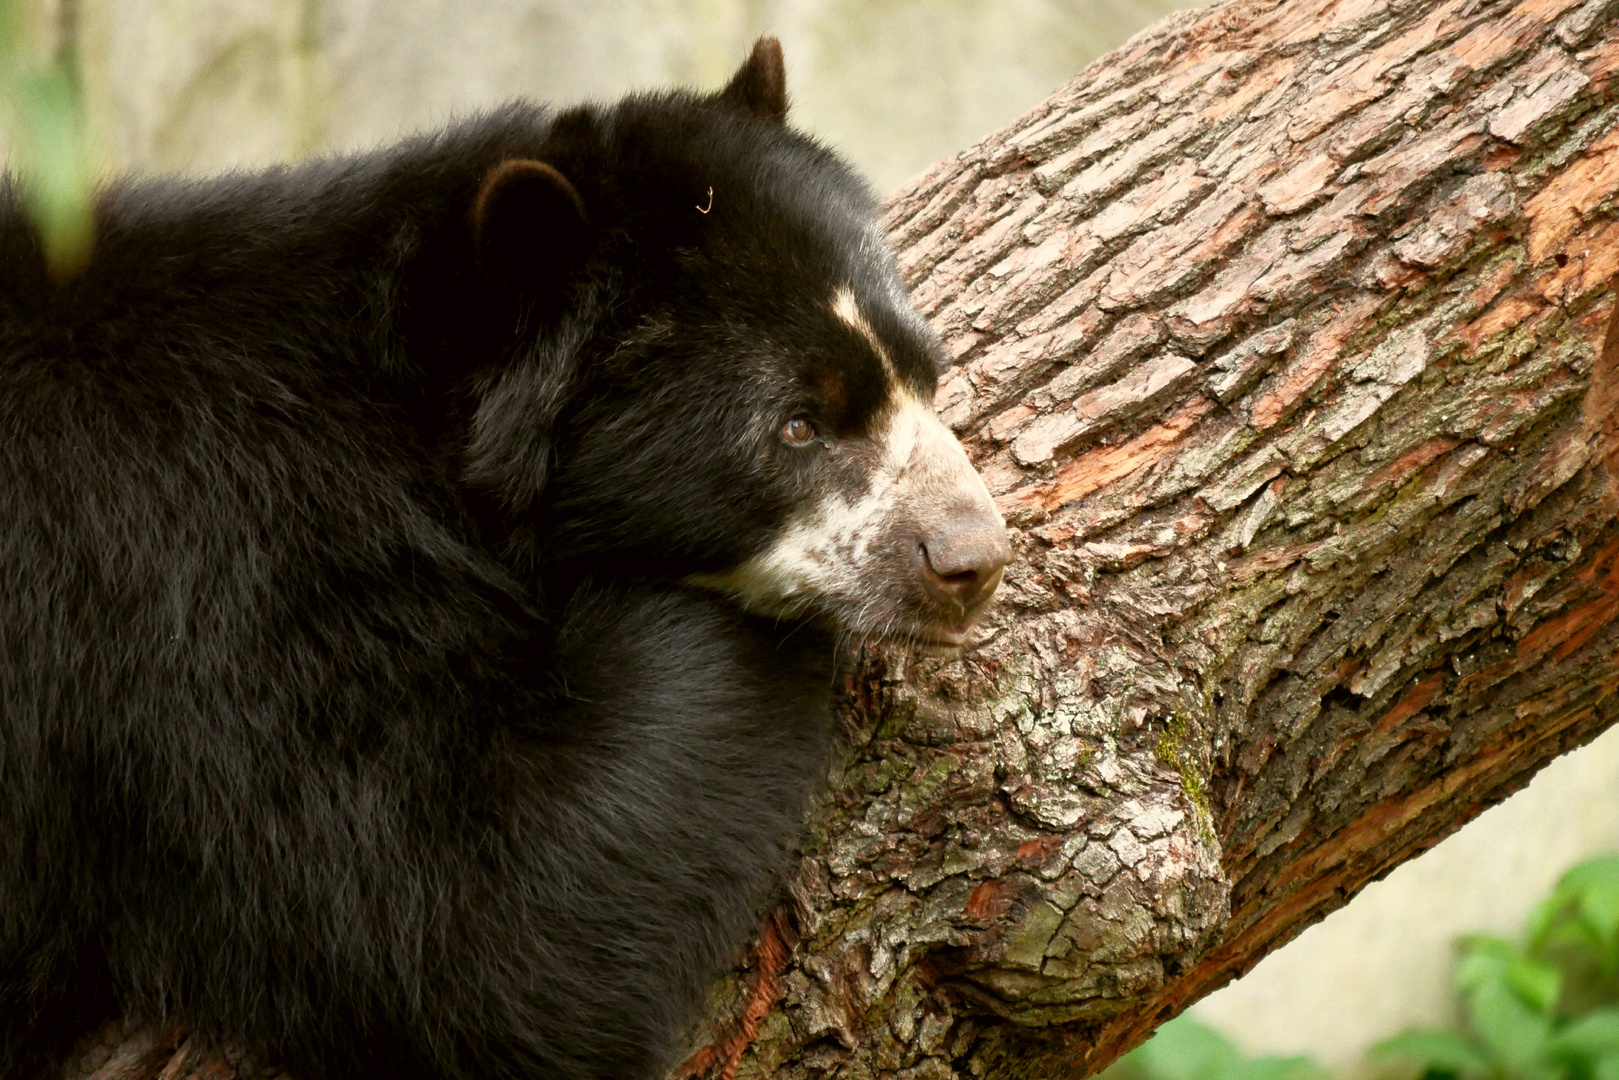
(1278, 334)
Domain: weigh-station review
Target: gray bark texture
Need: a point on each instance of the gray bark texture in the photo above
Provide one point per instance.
(1279, 336)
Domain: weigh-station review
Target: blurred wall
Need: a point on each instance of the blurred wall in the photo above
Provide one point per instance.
(207, 84)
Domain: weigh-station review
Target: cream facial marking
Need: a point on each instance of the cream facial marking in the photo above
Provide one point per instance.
(854, 557)
(847, 309)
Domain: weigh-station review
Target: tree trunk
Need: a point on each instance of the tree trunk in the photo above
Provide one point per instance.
(1278, 334)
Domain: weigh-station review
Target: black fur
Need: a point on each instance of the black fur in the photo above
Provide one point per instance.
(352, 703)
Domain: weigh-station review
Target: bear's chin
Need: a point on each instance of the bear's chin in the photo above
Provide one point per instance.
(925, 637)
(945, 641)
(948, 640)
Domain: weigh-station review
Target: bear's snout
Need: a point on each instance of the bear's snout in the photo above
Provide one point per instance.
(961, 562)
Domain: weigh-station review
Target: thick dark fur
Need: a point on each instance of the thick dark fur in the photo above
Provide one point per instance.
(352, 704)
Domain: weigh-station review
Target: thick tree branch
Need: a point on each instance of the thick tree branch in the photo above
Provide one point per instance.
(1278, 336)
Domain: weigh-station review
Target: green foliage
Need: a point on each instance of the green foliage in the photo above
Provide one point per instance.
(1579, 923)
(1186, 1049)
(1441, 1053)
(1547, 1010)
(46, 124)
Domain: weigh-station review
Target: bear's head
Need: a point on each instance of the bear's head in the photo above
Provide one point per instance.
(736, 391)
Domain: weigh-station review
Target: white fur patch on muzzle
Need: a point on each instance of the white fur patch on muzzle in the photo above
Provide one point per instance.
(914, 555)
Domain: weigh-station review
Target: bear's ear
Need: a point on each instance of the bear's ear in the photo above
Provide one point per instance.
(760, 85)
(529, 225)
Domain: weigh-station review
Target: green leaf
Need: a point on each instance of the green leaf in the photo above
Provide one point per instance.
(1484, 960)
(1606, 1068)
(1569, 931)
(1185, 1049)
(1278, 1068)
(1593, 887)
(1599, 872)
(1545, 918)
(1583, 911)
(1435, 1051)
(1599, 910)
(1515, 1034)
(1599, 904)
(59, 187)
(1593, 1036)
(40, 103)
(1537, 982)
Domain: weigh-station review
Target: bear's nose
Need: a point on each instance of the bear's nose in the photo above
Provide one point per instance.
(962, 562)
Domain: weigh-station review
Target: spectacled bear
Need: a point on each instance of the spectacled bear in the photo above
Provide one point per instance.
(422, 577)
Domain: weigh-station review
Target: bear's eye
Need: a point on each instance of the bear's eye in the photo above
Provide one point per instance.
(798, 432)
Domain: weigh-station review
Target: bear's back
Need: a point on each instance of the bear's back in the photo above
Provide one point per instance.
(212, 474)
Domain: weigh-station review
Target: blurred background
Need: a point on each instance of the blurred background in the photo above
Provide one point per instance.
(209, 84)
(93, 87)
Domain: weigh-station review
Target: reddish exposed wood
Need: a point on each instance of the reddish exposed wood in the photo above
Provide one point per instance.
(1413, 703)
(721, 1060)
(1602, 399)
(1099, 468)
